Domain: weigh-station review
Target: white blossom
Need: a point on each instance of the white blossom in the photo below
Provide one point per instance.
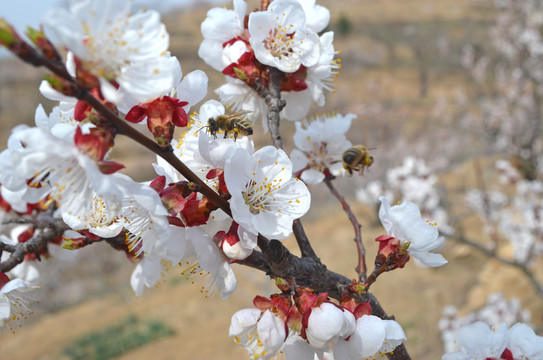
(320, 147)
(220, 26)
(265, 197)
(262, 334)
(279, 37)
(15, 300)
(372, 337)
(405, 223)
(327, 324)
(115, 45)
(70, 177)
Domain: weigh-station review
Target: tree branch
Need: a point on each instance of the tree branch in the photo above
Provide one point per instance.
(275, 105)
(361, 268)
(272, 97)
(50, 229)
(312, 273)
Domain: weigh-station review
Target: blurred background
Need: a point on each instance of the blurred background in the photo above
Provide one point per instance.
(447, 96)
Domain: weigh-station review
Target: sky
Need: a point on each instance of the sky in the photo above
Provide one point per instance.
(22, 13)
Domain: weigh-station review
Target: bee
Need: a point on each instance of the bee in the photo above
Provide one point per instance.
(231, 123)
(357, 158)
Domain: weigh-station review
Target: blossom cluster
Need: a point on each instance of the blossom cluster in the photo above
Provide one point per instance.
(63, 164)
(497, 310)
(313, 327)
(479, 342)
(283, 36)
(507, 114)
(513, 209)
(320, 144)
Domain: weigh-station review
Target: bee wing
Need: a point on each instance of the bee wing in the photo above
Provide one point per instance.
(238, 114)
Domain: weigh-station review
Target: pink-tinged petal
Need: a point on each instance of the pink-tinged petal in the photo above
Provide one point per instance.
(236, 251)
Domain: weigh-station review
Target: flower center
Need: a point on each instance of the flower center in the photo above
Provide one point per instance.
(99, 215)
(259, 196)
(279, 42)
(191, 270)
(319, 158)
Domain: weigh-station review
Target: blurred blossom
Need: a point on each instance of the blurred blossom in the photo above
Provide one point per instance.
(513, 211)
(412, 181)
(497, 310)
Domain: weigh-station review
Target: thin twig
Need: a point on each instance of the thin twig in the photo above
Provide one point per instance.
(487, 209)
(361, 268)
(522, 267)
